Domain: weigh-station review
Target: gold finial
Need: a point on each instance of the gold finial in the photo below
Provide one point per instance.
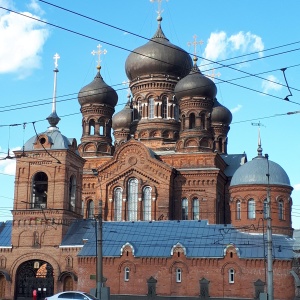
(213, 75)
(195, 43)
(99, 52)
(159, 11)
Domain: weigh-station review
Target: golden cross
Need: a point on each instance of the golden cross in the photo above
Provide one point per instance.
(159, 11)
(195, 43)
(127, 82)
(99, 52)
(213, 75)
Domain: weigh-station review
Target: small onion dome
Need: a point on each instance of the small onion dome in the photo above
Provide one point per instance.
(195, 84)
(158, 56)
(122, 119)
(254, 172)
(98, 92)
(221, 114)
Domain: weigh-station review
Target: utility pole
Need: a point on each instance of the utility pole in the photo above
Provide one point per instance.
(269, 238)
(102, 293)
(99, 252)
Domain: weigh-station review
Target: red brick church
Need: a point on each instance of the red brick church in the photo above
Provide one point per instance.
(181, 216)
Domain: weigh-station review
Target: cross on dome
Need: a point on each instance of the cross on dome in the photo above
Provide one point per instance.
(99, 52)
(195, 43)
(56, 57)
(213, 75)
(127, 83)
(159, 11)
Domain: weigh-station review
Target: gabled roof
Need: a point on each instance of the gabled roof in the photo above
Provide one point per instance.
(158, 238)
(5, 234)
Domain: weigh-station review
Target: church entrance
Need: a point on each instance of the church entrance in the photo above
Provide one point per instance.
(34, 275)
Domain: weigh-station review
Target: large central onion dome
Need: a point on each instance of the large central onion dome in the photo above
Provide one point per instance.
(98, 92)
(195, 84)
(158, 56)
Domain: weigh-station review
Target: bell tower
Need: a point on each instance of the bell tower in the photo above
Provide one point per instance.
(47, 185)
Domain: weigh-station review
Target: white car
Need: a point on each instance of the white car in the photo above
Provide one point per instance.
(71, 295)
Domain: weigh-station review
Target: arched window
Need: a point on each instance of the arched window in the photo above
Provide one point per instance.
(82, 207)
(126, 274)
(251, 209)
(91, 127)
(231, 275)
(183, 122)
(184, 209)
(202, 118)
(118, 204)
(102, 127)
(238, 210)
(90, 209)
(280, 210)
(178, 275)
(72, 193)
(164, 108)
(140, 110)
(192, 121)
(176, 112)
(151, 108)
(39, 190)
(147, 203)
(196, 209)
(265, 209)
(132, 199)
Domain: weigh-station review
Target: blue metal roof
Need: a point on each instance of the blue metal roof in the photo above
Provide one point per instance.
(157, 239)
(5, 234)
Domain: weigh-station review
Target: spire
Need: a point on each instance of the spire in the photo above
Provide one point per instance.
(159, 33)
(53, 118)
(259, 148)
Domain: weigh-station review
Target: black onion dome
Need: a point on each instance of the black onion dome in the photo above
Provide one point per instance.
(195, 84)
(158, 56)
(221, 114)
(122, 119)
(98, 92)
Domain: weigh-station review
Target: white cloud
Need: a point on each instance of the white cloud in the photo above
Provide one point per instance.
(216, 46)
(33, 5)
(220, 46)
(8, 166)
(271, 84)
(21, 42)
(236, 109)
(246, 42)
(297, 187)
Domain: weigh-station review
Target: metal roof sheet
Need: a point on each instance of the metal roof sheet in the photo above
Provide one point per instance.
(157, 239)
(5, 234)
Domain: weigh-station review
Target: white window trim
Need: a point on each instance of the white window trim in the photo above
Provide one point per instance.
(178, 275)
(231, 275)
(126, 273)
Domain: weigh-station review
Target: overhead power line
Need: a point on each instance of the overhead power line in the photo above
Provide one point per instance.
(122, 48)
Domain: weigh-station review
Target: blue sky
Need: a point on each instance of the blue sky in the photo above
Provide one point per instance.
(251, 41)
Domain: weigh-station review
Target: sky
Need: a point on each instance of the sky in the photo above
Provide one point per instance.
(251, 47)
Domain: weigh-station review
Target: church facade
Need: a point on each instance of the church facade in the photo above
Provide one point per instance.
(181, 217)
